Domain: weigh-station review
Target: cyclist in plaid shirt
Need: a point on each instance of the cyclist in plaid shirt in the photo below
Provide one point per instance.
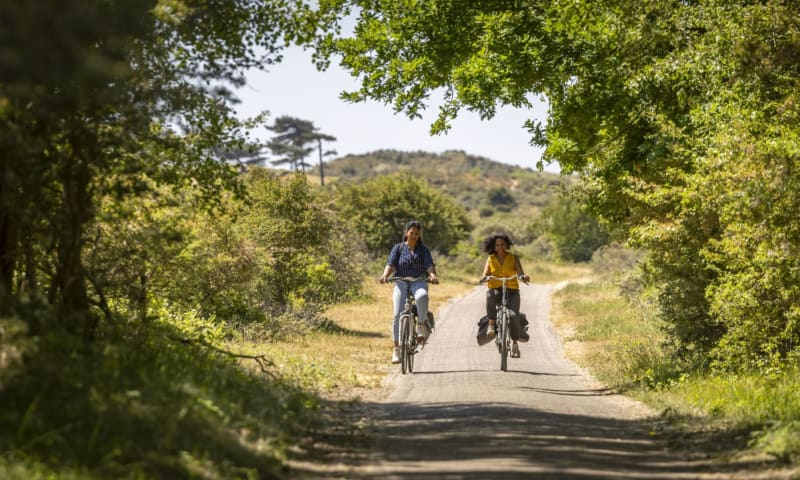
(410, 258)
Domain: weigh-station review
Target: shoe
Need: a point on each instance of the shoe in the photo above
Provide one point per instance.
(422, 334)
(396, 355)
(515, 350)
(491, 332)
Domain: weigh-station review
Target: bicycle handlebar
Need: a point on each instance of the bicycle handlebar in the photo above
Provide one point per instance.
(502, 279)
(407, 279)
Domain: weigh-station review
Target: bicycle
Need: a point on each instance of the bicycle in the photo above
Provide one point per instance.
(503, 336)
(408, 324)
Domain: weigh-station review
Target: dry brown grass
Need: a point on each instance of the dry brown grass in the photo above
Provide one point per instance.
(351, 359)
(571, 314)
(552, 273)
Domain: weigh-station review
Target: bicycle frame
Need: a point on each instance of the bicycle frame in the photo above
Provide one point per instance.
(409, 320)
(503, 337)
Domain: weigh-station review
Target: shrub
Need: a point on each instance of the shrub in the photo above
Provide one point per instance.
(379, 209)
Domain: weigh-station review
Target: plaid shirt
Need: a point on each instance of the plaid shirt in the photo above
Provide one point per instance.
(410, 264)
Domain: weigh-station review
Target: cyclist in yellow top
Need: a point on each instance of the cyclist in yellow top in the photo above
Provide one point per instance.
(502, 263)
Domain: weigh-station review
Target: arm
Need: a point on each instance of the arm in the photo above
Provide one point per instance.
(387, 272)
(427, 258)
(520, 271)
(432, 274)
(487, 270)
(389, 269)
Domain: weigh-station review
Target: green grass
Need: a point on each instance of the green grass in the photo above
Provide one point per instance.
(731, 414)
(151, 407)
(765, 406)
(148, 407)
(621, 344)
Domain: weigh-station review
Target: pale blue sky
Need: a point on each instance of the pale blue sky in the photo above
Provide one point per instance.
(295, 88)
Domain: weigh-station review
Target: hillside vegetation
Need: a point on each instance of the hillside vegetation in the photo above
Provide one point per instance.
(496, 196)
(467, 178)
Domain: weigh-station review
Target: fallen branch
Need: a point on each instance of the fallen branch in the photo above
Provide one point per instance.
(262, 360)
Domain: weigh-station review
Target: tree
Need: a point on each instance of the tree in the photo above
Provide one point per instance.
(242, 157)
(679, 116)
(575, 234)
(293, 141)
(99, 95)
(320, 137)
(290, 142)
(500, 198)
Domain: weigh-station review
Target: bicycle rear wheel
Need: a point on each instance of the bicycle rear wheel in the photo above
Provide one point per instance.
(405, 341)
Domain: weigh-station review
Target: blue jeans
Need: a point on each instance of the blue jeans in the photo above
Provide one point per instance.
(420, 290)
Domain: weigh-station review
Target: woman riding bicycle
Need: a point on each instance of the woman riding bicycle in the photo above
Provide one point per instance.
(410, 258)
(502, 263)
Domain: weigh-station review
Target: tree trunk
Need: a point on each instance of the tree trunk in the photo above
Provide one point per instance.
(7, 248)
(321, 167)
(70, 281)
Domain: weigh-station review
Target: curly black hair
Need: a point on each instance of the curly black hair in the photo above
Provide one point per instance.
(488, 243)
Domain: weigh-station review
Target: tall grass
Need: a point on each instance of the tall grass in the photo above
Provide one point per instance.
(623, 345)
(146, 407)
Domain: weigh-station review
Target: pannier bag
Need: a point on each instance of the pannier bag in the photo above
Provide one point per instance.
(523, 328)
(483, 325)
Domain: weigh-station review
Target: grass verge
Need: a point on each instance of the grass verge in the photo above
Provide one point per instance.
(349, 356)
(735, 417)
(144, 408)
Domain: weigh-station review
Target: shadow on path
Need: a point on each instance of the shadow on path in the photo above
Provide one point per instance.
(486, 441)
(493, 370)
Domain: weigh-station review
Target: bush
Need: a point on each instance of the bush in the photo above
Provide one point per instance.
(379, 209)
(485, 211)
(573, 233)
(501, 197)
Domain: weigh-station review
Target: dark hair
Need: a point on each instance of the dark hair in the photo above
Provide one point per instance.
(411, 224)
(488, 243)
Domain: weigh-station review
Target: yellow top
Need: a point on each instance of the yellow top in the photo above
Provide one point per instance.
(507, 269)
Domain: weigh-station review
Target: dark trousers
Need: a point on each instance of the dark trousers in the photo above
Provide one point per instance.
(494, 299)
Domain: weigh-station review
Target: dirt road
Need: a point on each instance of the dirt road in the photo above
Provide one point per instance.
(459, 417)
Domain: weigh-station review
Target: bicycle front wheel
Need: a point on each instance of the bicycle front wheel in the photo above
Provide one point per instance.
(505, 337)
(412, 347)
(405, 343)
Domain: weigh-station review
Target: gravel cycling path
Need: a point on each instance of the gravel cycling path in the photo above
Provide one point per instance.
(459, 417)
